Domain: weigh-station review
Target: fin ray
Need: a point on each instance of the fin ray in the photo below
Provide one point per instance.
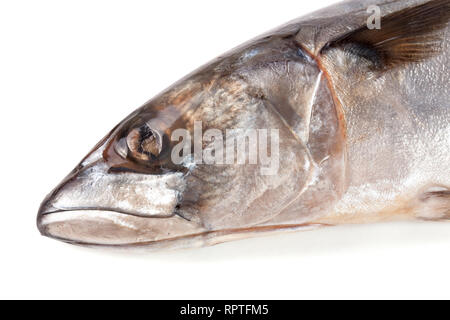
(410, 35)
(435, 205)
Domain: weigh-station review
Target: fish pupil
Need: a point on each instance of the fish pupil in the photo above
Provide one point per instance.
(148, 143)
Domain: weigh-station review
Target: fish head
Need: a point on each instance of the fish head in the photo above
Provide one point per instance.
(229, 150)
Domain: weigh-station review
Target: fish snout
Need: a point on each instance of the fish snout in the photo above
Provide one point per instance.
(96, 207)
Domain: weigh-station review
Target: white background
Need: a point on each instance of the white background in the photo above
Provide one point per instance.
(71, 70)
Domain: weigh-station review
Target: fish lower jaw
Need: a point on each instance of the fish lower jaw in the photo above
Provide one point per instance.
(95, 228)
(108, 229)
(103, 227)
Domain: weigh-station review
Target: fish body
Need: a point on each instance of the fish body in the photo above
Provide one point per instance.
(351, 124)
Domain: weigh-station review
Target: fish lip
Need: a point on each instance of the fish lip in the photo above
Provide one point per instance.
(47, 218)
(127, 213)
(43, 229)
(46, 211)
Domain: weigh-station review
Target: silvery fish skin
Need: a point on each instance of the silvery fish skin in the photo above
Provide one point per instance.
(363, 123)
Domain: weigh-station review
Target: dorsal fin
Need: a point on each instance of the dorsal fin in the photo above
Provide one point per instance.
(409, 35)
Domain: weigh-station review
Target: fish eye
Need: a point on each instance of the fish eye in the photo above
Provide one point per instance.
(144, 143)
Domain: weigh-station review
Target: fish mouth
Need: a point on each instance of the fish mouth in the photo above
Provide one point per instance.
(86, 226)
(98, 227)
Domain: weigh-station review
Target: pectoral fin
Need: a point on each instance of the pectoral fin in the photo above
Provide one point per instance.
(408, 36)
(434, 205)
